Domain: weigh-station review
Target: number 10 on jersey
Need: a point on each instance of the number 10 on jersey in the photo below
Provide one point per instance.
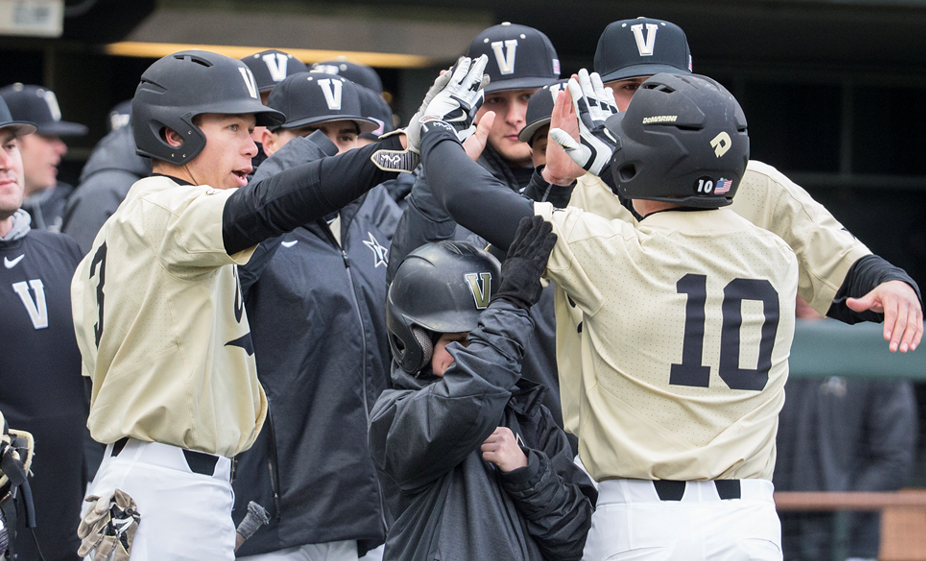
(691, 371)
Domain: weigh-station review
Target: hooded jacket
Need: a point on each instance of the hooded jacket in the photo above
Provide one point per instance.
(449, 503)
(317, 315)
(107, 176)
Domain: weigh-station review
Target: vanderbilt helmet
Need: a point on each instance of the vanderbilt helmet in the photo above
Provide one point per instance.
(177, 88)
(682, 140)
(439, 288)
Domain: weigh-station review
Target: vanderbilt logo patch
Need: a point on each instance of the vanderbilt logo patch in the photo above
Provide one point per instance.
(480, 284)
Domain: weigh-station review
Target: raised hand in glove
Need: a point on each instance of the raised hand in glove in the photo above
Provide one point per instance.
(109, 527)
(593, 104)
(526, 261)
(459, 101)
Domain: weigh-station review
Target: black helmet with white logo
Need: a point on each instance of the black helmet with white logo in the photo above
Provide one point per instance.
(439, 288)
(682, 140)
(270, 67)
(177, 88)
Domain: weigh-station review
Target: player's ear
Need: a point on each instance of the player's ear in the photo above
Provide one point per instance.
(268, 141)
(171, 137)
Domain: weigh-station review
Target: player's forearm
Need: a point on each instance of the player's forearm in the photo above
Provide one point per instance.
(558, 514)
(474, 198)
(289, 199)
(542, 189)
(865, 274)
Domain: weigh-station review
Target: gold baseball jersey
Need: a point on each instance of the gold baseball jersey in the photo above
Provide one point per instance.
(681, 329)
(161, 324)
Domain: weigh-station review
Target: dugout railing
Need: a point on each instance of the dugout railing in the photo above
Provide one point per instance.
(829, 348)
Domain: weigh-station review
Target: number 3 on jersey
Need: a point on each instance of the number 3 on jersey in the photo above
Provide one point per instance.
(99, 257)
(691, 372)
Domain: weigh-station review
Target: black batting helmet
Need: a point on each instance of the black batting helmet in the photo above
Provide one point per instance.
(177, 88)
(682, 140)
(439, 288)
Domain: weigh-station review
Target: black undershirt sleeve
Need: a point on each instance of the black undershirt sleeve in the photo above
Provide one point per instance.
(289, 199)
(864, 275)
(476, 200)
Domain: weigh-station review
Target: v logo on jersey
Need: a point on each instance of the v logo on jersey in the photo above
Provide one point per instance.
(276, 64)
(519, 440)
(249, 81)
(645, 45)
(505, 59)
(37, 310)
(332, 94)
(10, 264)
(482, 292)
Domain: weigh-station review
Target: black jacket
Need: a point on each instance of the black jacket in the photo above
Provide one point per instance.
(41, 387)
(842, 434)
(107, 176)
(424, 220)
(448, 502)
(317, 319)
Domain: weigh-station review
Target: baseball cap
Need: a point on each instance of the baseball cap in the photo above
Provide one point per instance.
(641, 47)
(375, 108)
(360, 74)
(540, 109)
(39, 105)
(19, 128)
(520, 57)
(308, 99)
(271, 66)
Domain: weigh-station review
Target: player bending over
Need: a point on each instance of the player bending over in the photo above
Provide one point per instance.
(472, 463)
(158, 309)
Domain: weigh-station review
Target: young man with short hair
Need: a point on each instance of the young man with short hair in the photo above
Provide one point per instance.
(159, 312)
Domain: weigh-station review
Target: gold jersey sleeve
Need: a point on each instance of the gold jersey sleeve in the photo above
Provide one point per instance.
(676, 343)
(161, 324)
(825, 249)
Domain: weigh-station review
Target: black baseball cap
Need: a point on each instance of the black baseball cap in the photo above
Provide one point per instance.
(360, 74)
(540, 109)
(39, 105)
(641, 47)
(520, 57)
(19, 128)
(119, 116)
(375, 108)
(271, 66)
(307, 99)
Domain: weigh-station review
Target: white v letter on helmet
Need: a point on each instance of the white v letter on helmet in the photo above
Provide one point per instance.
(594, 104)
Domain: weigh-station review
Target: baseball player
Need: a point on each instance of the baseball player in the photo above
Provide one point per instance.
(687, 319)
(42, 152)
(830, 258)
(461, 428)
(158, 309)
(43, 392)
(521, 61)
(314, 301)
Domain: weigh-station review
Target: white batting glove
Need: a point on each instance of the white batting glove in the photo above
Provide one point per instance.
(459, 101)
(413, 130)
(593, 105)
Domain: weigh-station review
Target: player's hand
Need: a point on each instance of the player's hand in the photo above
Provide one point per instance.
(526, 261)
(475, 144)
(903, 315)
(593, 104)
(458, 102)
(560, 169)
(501, 448)
(413, 130)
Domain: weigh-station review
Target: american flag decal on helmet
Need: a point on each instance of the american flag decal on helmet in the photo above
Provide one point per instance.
(723, 186)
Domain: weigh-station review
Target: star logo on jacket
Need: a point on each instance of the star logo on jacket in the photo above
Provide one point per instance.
(380, 253)
(10, 264)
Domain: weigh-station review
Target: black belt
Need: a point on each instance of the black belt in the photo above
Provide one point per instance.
(668, 490)
(198, 462)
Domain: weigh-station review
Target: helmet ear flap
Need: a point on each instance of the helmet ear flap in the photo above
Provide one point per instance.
(424, 341)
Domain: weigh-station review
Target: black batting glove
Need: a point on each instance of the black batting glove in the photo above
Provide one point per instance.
(526, 261)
